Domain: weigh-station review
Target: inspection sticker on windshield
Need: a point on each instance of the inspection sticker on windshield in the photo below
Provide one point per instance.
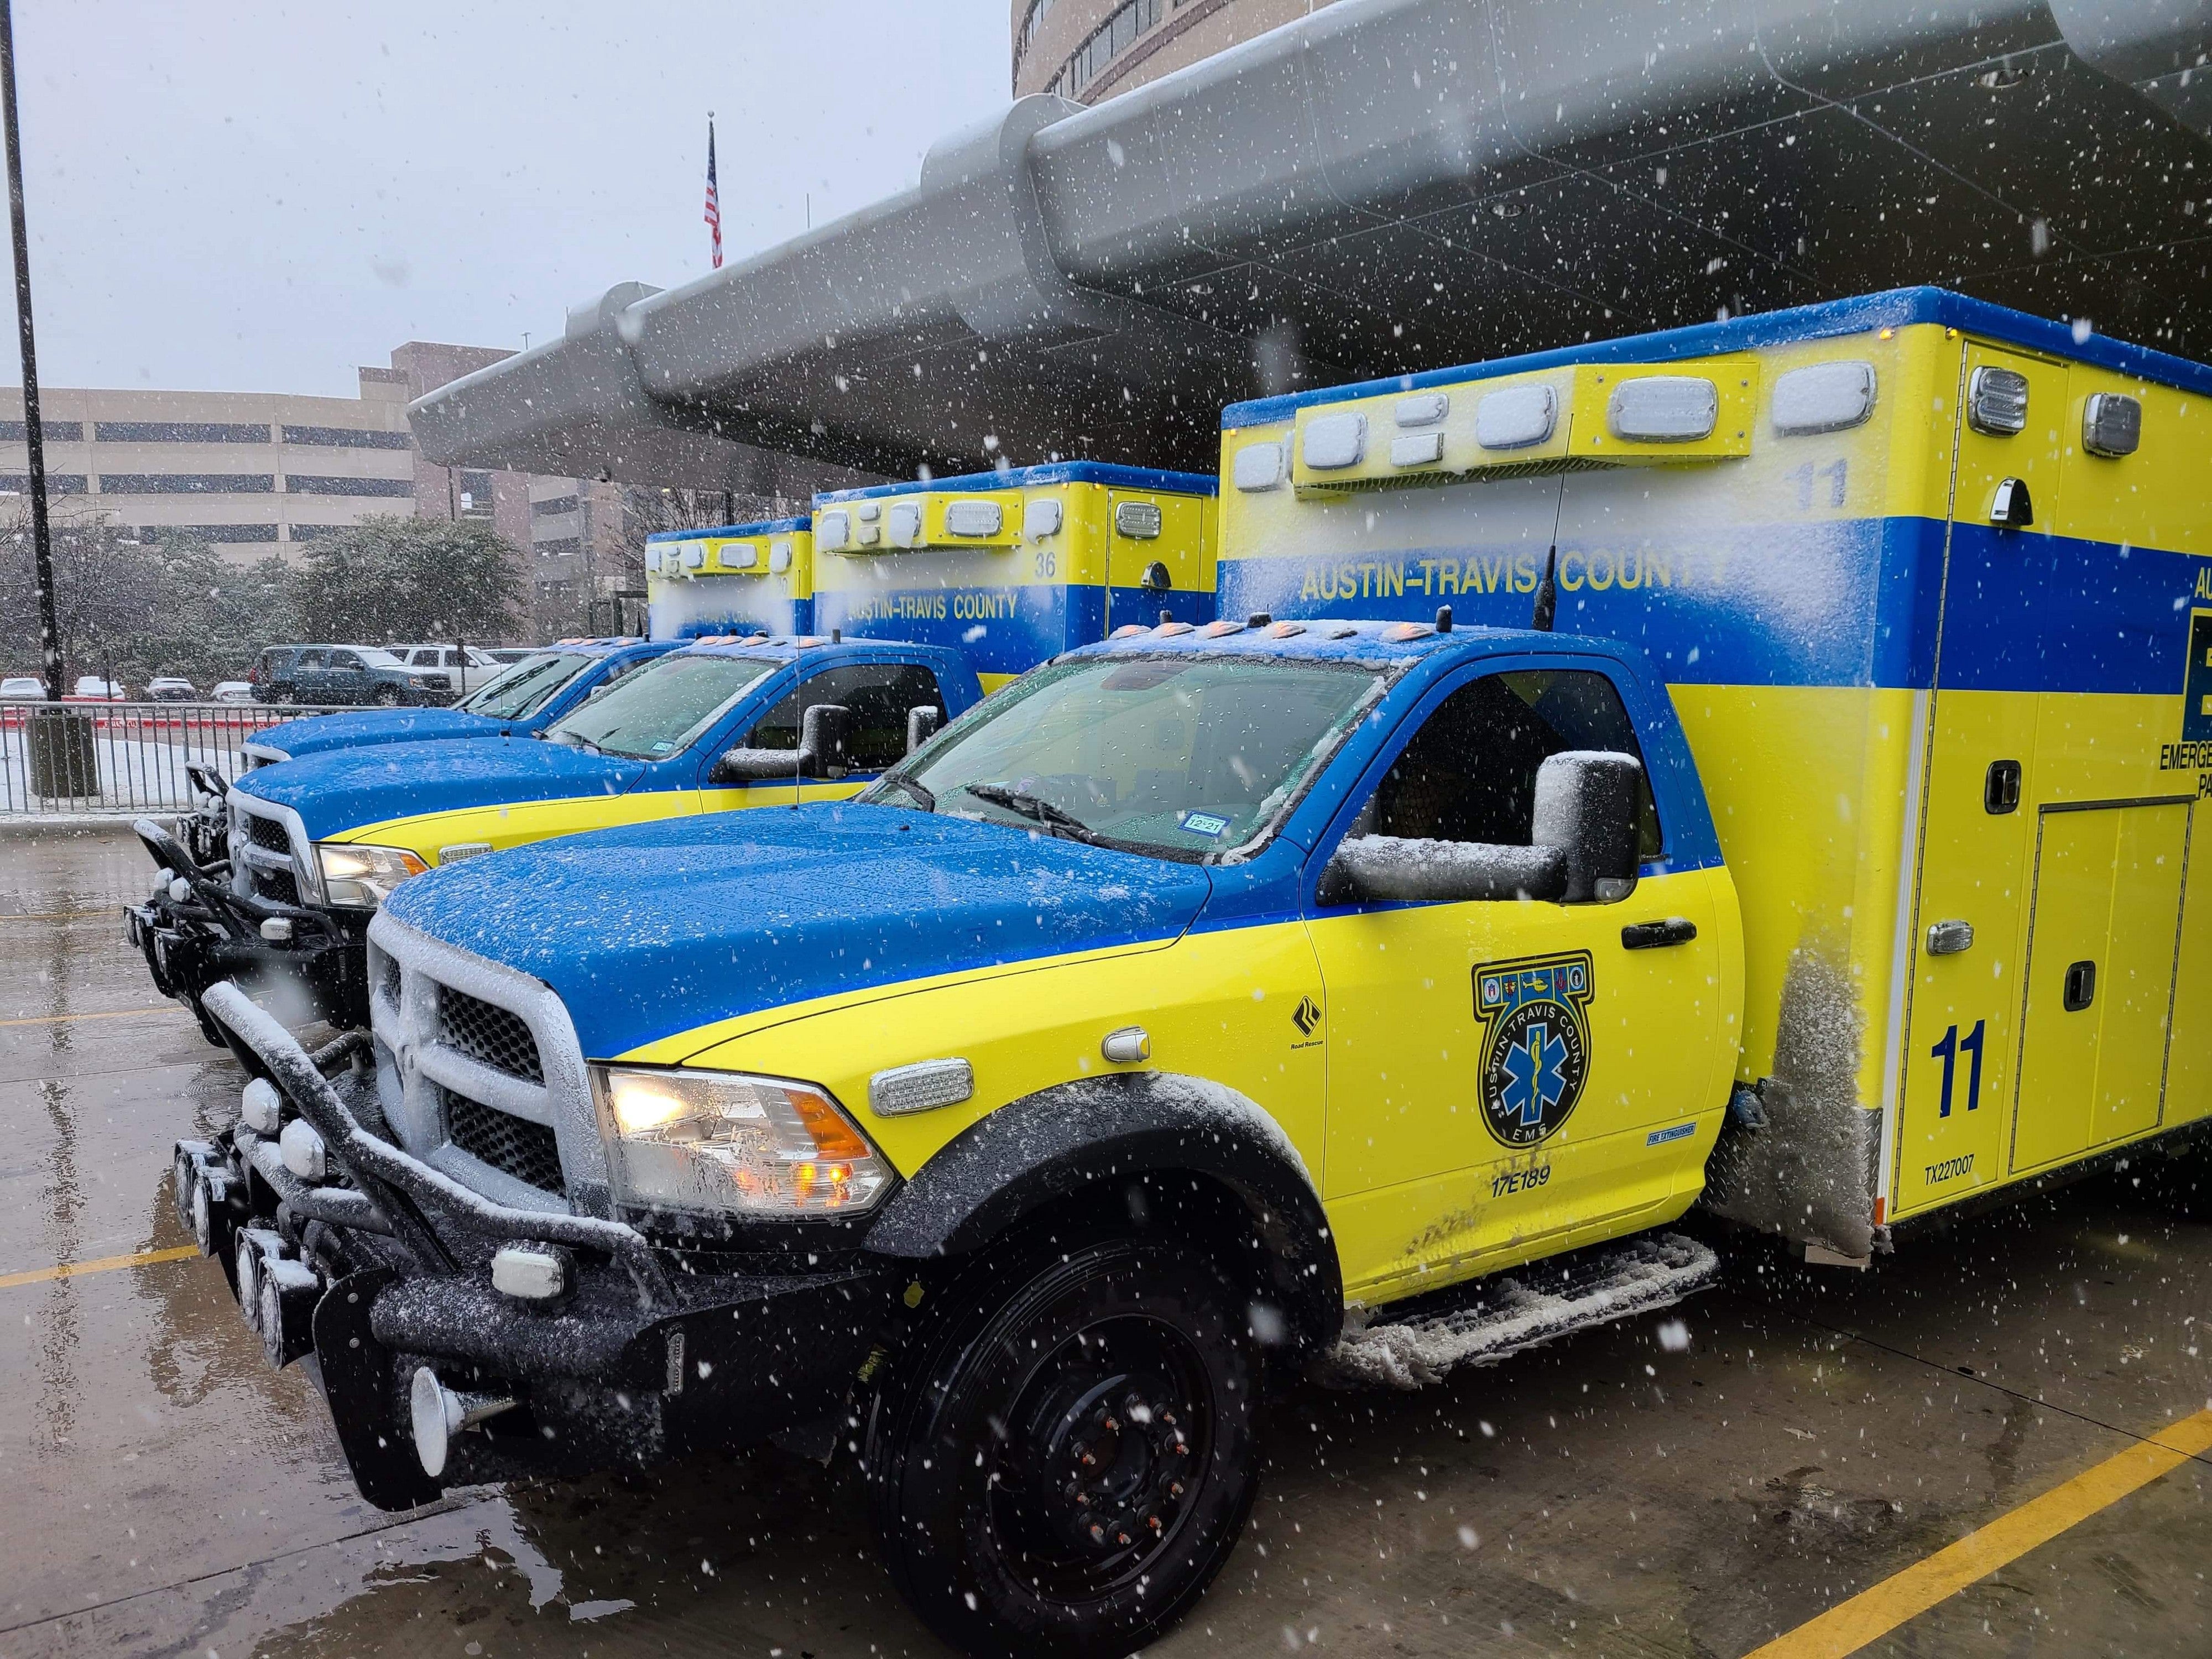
(1203, 824)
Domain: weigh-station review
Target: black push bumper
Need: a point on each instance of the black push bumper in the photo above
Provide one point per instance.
(318, 970)
(381, 1269)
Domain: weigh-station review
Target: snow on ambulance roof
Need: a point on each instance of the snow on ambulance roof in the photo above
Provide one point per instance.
(764, 527)
(1894, 308)
(1037, 477)
(1326, 638)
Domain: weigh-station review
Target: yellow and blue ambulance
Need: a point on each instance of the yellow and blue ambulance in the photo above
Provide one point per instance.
(526, 697)
(1013, 566)
(1930, 584)
(315, 844)
(732, 579)
(1754, 763)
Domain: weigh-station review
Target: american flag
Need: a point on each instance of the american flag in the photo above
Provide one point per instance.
(714, 201)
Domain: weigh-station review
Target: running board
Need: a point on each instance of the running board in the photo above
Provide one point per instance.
(1510, 1312)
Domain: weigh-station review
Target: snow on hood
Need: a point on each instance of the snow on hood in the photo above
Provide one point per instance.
(346, 788)
(322, 732)
(656, 929)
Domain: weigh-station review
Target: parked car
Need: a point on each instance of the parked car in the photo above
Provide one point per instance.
(100, 690)
(469, 666)
(22, 688)
(169, 688)
(232, 691)
(514, 653)
(344, 674)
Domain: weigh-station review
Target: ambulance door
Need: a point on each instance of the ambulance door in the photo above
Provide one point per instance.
(2100, 963)
(1500, 1072)
(1977, 788)
(1155, 554)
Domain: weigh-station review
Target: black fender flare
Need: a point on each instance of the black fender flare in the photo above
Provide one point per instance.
(1085, 1133)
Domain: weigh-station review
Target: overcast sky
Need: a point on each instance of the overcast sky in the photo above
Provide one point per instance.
(256, 196)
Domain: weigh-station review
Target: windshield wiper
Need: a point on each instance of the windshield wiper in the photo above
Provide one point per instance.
(571, 740)
(1033, 806)
(900, 780)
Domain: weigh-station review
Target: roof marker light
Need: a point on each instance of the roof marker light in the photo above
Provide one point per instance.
(1174, 627)
(2111, 424)
(1417, 449)
(1257, 467)
(1823, 398)
(1516, 417)
(1286, 630)
(1214, 630)
(1659, 408)
(1424, 410)
(1041, 518)
(1334, 442)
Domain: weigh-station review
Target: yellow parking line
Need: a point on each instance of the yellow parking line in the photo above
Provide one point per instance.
(1874, 1613)
(101, 1013)
(100, 1265)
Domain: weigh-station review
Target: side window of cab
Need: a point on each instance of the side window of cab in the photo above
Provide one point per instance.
(1469, 775)
(879, 694)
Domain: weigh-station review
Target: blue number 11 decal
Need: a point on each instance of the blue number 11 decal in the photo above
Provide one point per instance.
(1948, 1051)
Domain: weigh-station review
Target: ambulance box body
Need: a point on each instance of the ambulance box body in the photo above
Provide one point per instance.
(1930, 584)
(1013, 568)
(736, 579)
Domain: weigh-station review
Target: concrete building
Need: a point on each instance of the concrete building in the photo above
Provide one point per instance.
(257, 473)
(1087, 50)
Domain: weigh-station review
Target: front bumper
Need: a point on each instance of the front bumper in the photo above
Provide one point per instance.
(213, 935)
(389, 1273)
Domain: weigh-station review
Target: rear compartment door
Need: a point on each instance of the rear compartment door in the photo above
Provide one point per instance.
(1962, 952)
(2100, 964)
(1144, 530)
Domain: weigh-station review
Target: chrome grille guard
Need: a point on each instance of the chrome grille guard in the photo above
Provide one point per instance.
(444, 1225)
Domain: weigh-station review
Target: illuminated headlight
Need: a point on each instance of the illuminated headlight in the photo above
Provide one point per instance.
(721, 1141)
(362, 878)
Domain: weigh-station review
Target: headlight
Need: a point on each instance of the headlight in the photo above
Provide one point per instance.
(417, 679)
(362, 878)
(722, 1142)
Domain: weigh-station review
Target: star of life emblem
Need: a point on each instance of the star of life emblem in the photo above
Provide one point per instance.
(1535, 1043)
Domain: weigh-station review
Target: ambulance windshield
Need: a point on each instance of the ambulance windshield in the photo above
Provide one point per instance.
(527, 687)
(1182, 757)
(661, 711)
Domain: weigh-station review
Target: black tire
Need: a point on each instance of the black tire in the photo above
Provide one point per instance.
(280, 694)
(387, 697)
(1136, 1355)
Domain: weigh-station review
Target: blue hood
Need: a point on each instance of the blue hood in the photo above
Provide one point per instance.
(656, 929)
(300, 738)
(346, 788)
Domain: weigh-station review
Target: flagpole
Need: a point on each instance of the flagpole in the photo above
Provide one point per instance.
(50, 640)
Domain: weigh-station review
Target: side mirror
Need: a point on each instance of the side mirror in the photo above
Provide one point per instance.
(921, 724)
(1413, 870)
(1588, 801)
(823, 734)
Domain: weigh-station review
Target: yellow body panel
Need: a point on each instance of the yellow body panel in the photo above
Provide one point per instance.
(520, 824)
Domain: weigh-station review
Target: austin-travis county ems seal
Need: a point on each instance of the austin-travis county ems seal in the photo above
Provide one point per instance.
(1535, 1043)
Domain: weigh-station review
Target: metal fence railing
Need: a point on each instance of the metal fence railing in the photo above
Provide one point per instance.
(124, 758)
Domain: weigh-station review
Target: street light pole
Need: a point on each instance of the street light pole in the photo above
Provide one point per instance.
(50, 637)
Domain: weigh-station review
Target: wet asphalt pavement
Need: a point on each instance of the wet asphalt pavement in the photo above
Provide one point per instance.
(166, 1493)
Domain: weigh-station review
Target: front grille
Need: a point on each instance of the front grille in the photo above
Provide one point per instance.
(487, 1034)
(268, 833)
(515, 1146)
(277, 886)
(392, 980)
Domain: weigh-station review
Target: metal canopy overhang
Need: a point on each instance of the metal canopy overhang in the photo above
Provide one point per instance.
(1391, 185)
